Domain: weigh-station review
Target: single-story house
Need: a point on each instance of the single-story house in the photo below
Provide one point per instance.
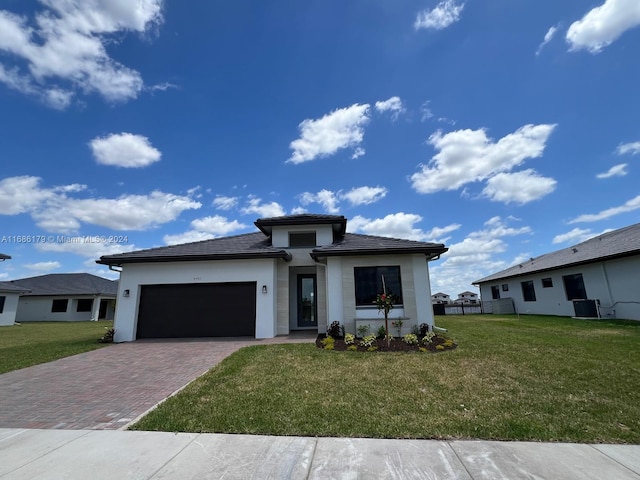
(598, 277)
(69, 297)
(9, 295)
(298, 272)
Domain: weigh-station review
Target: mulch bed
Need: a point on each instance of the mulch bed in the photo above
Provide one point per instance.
(397, 345)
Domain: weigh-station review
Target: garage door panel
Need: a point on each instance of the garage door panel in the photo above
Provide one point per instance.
(197, 310)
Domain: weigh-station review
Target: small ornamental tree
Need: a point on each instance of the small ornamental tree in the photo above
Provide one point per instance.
(384, 301)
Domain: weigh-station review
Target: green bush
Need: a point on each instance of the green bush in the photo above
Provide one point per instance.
(349, 338)
(368, 341)
(410, 339)
(328, 343)
(352, 348)
(381, 332)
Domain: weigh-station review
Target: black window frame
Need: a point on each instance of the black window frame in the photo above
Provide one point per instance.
(3, 298)
(547, 282)
(84, 301)
(303, 239)
(577, 290)
(505, 287)
(368, 283)
(495, 292)
(528, 291)
(56, 305)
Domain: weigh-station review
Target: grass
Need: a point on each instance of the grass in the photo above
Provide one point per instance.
(39, 342)
(533, 378)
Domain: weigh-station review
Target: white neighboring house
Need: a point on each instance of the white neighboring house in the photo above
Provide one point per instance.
(598, 277)
(66, 297)
(440, 298)
(467, 298)
(298, 272)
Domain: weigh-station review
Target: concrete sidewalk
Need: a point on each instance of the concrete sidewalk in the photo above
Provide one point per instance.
(102, 454)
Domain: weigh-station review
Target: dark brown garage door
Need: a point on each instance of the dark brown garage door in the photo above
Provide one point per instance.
(197, 310)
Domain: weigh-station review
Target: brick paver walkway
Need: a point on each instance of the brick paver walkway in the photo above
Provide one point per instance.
(109, 387)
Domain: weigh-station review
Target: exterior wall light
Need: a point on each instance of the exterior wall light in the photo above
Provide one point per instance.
(125, 293)
(264, 289)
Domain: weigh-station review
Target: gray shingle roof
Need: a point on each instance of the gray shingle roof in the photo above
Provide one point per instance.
(68, 284)
(249, 245)
(339, 222)
(357, 244)
(619, 243)
(8, 287)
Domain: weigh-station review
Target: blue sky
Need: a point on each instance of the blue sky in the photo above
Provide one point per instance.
(503, 129)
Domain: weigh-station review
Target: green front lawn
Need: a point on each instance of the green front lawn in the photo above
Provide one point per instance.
(533, 378)
(39, 342)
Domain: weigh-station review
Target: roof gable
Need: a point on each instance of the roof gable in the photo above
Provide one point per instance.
(618, 243)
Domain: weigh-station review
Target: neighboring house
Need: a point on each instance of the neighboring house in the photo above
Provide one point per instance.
(299, 272)
(440, 298)
(599, 277)
(466, 298)
(68, 297)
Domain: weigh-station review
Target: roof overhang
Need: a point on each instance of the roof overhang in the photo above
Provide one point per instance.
(120, 261)
(430, 253)
(338, 222)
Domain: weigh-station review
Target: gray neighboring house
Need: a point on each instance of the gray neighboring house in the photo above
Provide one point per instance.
(598, 277)
(298, 272)
(67, 297)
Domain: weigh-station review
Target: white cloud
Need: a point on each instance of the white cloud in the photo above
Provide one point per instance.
(63, 52)
(330, 200)
(55, 211)
(393, 105)
(615, 171)
(126, 212)
(547, 38)
(187, 237)
(225, 203)
(425, 111)
(342, 128)
(21, 194)
(204, 229)
(633, 148)
(85, 247)
(602, 25)
(43, 266)
(474, 257)
(217, 225)
(481, 244)
(124, 150)
(629, 206)
(326, 198)
(263, 210)
(364, 195)
(577, 235)
(466, 156)
(444, 14)
(399, 225)
(518, 187)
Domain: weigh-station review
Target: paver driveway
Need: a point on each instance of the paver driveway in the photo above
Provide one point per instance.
(109, 387)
